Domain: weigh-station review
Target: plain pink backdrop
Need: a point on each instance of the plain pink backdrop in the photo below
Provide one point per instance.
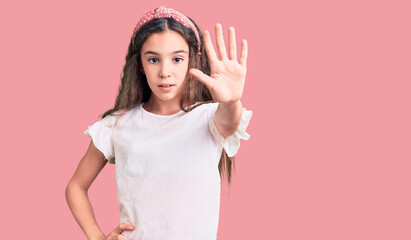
(328, 83)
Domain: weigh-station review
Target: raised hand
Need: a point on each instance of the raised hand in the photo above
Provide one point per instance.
(226, 81)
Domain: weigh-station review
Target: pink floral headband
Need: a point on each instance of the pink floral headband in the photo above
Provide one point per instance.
(163, 12)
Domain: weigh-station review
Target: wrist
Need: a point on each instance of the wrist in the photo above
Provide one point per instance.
(231, 106)
(99, 236)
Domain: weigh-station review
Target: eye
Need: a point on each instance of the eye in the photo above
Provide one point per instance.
(153, 60)
(178, 59)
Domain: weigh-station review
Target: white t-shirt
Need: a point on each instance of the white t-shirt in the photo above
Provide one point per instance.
(168, 184)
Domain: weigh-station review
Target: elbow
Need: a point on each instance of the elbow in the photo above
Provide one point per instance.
(228, 131)
(74, 187)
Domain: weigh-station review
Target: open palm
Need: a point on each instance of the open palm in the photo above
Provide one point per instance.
(226, 81)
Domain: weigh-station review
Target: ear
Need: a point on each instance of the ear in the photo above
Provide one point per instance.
(142, 69)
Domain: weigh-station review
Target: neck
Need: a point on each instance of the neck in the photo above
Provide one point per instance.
(159, 107)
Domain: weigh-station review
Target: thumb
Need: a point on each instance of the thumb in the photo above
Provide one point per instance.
(123, 227)
(204, 78)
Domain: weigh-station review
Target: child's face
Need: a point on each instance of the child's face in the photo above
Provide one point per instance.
(164, 57)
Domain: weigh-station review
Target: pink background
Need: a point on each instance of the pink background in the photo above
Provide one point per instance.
(328, 83)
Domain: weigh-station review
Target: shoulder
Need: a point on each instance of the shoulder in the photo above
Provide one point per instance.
(211, 108)
(208, 107)
(202, 110)
(114, 118)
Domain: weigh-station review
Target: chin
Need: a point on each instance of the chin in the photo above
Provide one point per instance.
(166, 98)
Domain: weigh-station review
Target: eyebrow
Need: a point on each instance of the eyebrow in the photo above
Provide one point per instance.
(175, 52)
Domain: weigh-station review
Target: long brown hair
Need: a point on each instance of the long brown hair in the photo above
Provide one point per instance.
(134, 88)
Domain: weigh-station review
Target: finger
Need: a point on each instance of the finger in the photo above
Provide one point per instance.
(204, 78)
(244, 52)
(231, 44)
(121, 237)
(124, 227)
(220, 41)
(209, 47)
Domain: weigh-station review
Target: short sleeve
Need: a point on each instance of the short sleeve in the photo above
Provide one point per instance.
(101, 133)
(232, 143)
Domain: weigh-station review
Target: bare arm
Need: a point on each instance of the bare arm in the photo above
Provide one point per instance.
(226, 81)
(227, 117)
(89, 167)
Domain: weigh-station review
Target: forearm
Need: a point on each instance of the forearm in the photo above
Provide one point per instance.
(228, 117)
(80, 206)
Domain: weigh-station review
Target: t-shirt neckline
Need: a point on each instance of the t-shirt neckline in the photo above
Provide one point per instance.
(158, 115)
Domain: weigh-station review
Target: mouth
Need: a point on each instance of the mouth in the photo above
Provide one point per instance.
(166, 86)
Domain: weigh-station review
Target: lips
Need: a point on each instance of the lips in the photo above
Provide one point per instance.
(166, 87)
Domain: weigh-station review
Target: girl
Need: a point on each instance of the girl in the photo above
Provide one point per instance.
(175, 127)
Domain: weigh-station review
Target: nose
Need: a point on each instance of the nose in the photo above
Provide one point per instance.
(165, 70)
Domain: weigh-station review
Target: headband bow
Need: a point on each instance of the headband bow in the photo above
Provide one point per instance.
(163, 12)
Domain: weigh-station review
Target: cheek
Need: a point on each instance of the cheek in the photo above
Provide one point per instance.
(149, 77)
(183, 70)
(149, 71)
